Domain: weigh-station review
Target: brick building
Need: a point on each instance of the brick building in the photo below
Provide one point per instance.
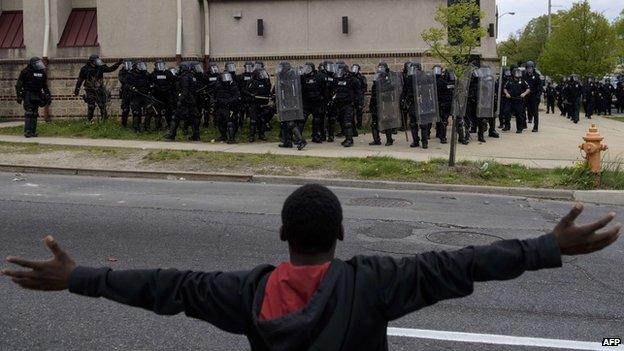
(68, 31)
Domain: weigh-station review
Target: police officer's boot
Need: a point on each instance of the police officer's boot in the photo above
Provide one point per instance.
(348, 131)
(481, 131)
(425, 132)
(316, 131)
(171, 135)
(492, 133)
(330, 130)
(136, 122)
(124, 118)
(376, 137)
(90, 113)
(196, 124)
(252, 130)
(231, 132)
(415, 137)
(285, 136)
(389, 140)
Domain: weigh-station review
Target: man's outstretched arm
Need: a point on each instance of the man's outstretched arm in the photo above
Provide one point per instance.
(411, 283)
(213, 297)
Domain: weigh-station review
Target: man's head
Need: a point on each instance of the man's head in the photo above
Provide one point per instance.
(312, 221)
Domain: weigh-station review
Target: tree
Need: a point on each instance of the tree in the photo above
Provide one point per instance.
(583, 43)
(453, 43)
(529, 43)
(618, 27)
(458, 35)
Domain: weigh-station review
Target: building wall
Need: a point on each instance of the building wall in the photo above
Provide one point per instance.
(295, 30)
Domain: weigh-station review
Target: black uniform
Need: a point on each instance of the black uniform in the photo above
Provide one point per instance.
(313, 95)
(345, 97)
(445, 87)
(124, 94)
(32, 90)
(258, 94)
(560, 98)
(591, 96)
(96, 93)
(186, 104)
(619, 94)
(163, 90)
(139, 85)
(532, 101)
(227, 97)
(245, 103)
(607, 97)
(380, 78)
(573, 93)
(330, 107)
(515, 88)
(211, 81)
(407, 97)
(359, 111)
(551, 96)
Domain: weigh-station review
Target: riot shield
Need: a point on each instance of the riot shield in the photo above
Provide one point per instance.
(425, 97)
(389, 88)
(288, 94)
(460, 95)
(485, 99)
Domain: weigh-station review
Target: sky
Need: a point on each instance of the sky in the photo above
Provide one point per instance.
(528, 9)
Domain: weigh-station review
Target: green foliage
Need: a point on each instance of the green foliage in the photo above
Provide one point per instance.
(529, 43)
(583, 43)
(456, 38)
(618, 27)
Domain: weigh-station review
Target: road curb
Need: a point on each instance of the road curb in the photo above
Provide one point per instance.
(553, 194)
(606, 197)
(195, 176)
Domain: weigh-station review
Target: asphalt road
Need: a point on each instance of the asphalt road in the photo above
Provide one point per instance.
(228, 226)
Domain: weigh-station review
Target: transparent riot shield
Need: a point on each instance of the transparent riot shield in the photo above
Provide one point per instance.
(426, 97)
(288, 96)
(389, 88)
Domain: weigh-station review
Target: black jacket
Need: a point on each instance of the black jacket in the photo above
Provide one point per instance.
(92, 76)
(351, 307)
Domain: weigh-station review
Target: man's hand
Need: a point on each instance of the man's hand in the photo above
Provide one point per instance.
(51, 275)
(578, 240)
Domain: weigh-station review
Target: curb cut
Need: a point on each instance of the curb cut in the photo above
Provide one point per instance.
(549, 194)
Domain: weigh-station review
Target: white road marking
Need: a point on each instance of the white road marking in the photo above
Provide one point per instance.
(495, 339)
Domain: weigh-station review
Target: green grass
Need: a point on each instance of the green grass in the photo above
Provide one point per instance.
(112, 129)
(435, 171)
(616, 118)
(384, 168)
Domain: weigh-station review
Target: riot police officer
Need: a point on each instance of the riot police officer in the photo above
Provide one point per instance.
(591, 97)
(96, 94)
(345, 98)
(607, 95)
(503, 110)
(381, 77)
(227, 96)
(163, 90)
(445, 84)
(329, 70)
(407, 98)
(359, 112)
(533, 99)
(124, 92)
(242, 81)
(515, 91)
(186, 103)
(551, 95)
(32, 90)
(259, 95)
(574, 93)
(139, 85)
(313, 95)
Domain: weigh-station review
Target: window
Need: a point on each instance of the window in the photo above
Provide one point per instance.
(81, 29)
(11, 30)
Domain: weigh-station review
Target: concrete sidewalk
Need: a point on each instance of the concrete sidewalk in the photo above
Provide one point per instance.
(556, 145)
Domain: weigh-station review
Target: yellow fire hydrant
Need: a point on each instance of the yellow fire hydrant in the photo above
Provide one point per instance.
(592, 147)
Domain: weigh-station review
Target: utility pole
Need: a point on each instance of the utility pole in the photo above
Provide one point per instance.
(549, 17)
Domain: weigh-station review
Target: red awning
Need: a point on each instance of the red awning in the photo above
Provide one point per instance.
(81, 29)
(11, 30)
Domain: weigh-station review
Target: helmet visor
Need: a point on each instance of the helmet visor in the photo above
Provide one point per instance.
(161, 66)
(226, 77)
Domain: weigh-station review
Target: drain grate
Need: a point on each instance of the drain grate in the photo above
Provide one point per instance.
(380, 202)
(461, 238)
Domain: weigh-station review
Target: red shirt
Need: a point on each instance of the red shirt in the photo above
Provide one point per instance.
(289, 288)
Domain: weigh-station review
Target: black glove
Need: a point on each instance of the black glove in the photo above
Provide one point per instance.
(76, 92)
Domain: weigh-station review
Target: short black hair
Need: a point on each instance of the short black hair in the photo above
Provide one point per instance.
(311, 219)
